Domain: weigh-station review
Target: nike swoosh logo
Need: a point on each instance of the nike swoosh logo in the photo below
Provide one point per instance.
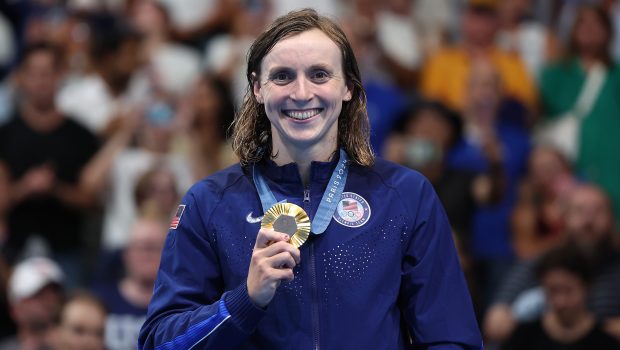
(252, 220)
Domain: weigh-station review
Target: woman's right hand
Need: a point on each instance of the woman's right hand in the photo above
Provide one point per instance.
(273, 260)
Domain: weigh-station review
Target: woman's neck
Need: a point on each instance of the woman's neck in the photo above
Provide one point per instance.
(303, 156)
(589, 59)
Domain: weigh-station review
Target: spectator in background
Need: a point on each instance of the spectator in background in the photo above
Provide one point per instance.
(35, 295)
(45, 152)
(613, 9)
(196, 21)
(206, 114)
(173, 68)
(127, 299)
(500, 150)
(156, 193)
(44, 20)
(421, 141)
(534, 43)
(445, 75)
(589, 224)
(399, 39)
(81, 324)
(436, 20)
(587, 73)
(537, 220)
(385, 101)
(225, 53)
(116, 54)
(565, 276)
(565, 15)
(117, 167)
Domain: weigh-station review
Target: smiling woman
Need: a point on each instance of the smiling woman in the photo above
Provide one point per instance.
(303, 89)
(352, 280)
(309, 59)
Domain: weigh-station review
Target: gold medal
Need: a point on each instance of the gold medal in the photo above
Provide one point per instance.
(290, 219)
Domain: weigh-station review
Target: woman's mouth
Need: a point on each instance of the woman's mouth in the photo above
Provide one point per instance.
(302, 114)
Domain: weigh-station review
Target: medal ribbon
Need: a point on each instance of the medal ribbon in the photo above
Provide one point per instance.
(330, 199)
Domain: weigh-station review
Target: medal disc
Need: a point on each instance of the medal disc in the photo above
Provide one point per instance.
(290, 219)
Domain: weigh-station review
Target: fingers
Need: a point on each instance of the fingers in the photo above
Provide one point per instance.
(270, 242)
(273, 275)
(282, 260)
(283, 275)
(267, 272)
(277, 248)
(265, 237)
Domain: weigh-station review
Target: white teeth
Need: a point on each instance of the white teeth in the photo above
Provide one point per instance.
(302, 114)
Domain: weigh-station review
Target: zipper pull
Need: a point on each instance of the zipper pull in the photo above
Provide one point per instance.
(306, 195)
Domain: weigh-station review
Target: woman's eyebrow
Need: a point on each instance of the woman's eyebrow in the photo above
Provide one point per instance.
(276, 69)
(321, 66)
(280, 68)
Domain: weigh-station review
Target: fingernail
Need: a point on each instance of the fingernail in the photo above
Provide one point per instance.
(285, 237)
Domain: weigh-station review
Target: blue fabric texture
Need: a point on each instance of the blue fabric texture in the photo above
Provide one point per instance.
(383, 273)
(197, 332)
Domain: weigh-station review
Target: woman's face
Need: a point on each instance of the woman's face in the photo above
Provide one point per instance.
(302, 86)
(431, 126)
(546, 168)
(143, 252)
(82, 327)
(590, 33)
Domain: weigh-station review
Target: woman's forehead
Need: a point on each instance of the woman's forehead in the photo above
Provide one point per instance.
(309, 47)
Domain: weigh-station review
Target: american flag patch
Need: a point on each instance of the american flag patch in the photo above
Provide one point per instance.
(176, 220)
(350, 206)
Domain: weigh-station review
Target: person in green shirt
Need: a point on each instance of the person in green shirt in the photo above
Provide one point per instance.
(597, 157)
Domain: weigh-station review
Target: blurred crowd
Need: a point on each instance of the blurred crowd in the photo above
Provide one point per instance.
(111, 109)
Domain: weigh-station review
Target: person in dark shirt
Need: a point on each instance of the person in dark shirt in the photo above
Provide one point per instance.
(80, 324)
(45, 152)
(127, 299)
(421, 140)
(589, 224)
(567, 323)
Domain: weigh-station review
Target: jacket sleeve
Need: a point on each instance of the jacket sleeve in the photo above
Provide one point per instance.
(434, 297)
(189, 306)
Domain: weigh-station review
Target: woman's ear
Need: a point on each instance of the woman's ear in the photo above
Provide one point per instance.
(256, 89)
(349, 94)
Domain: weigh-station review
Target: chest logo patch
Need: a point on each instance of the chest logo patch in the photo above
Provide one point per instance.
(353, 210)
(253, 219)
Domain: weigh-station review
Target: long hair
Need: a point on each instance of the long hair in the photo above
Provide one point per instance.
(605, 21)
(251, 136)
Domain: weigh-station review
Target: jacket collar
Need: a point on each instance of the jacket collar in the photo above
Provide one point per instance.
(289, 173)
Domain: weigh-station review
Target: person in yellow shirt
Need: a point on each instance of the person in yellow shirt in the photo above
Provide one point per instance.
(445, 74)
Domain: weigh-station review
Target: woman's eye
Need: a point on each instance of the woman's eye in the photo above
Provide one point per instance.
(320, 76)
(281, 78)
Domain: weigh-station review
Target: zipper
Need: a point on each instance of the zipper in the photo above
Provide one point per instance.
(313, 284)
(315, 300)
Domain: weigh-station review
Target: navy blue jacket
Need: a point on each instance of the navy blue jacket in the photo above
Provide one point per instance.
(386, 274)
